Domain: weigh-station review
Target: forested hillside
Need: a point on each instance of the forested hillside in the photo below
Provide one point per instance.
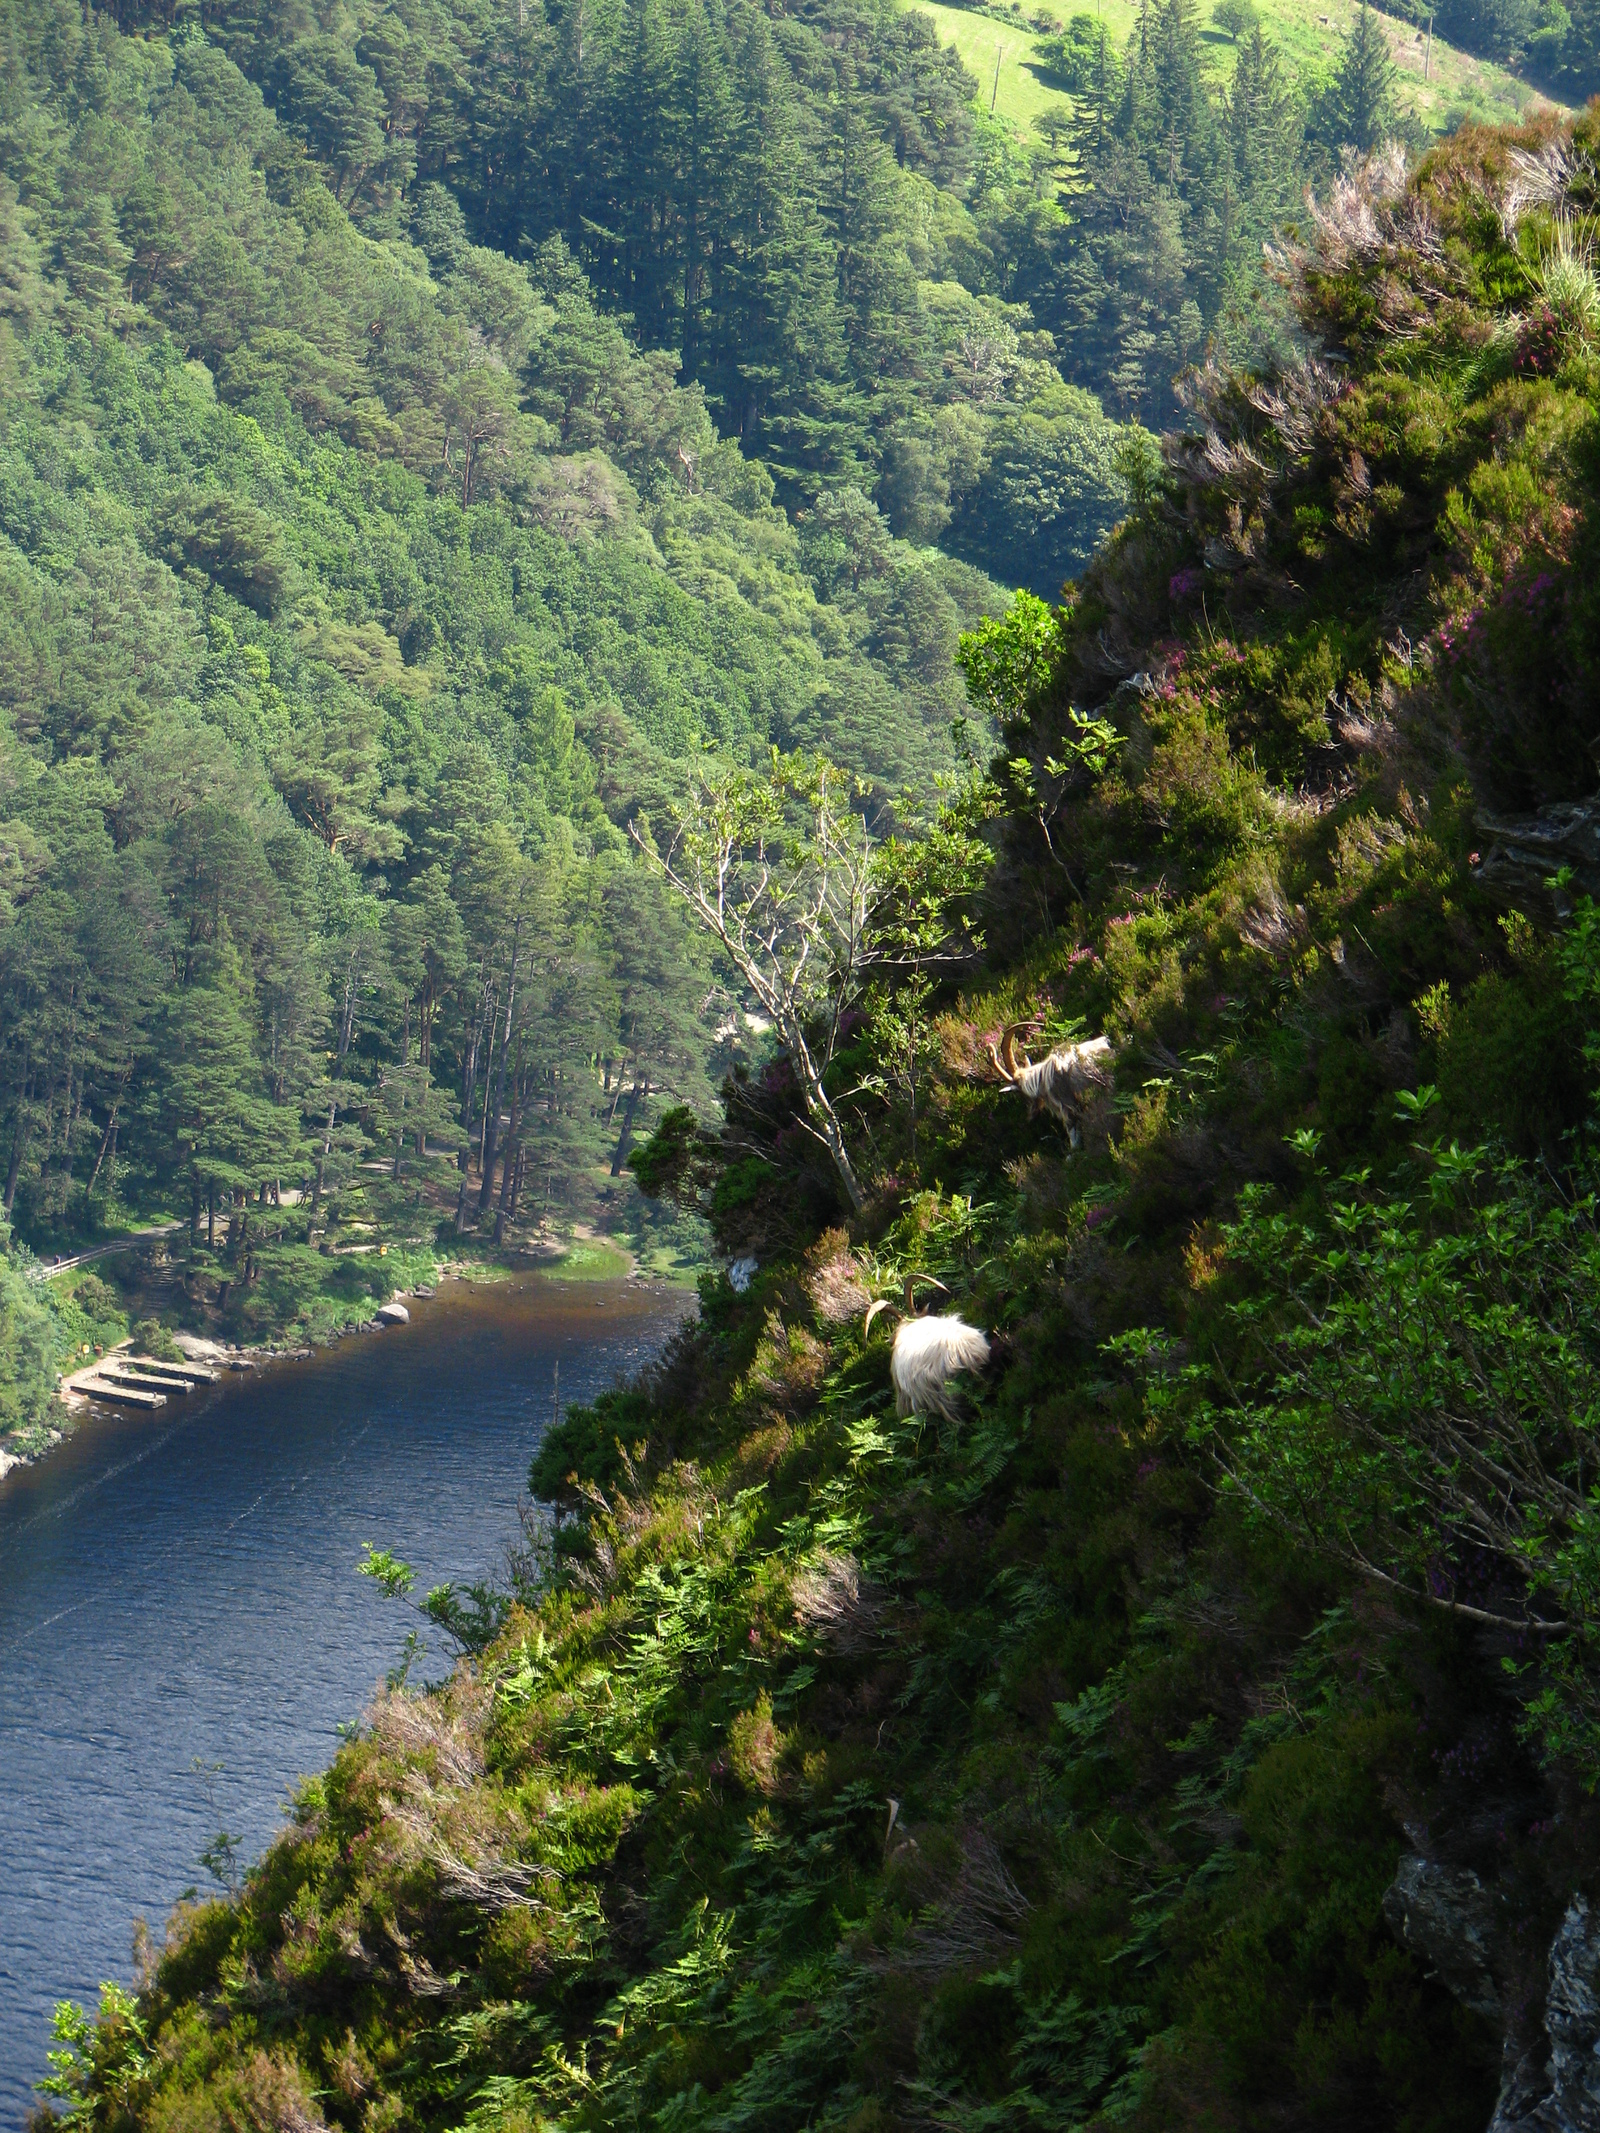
(891, 299)
(801, 208)
(1177, 1709)
(357, 586)
(1557, 45)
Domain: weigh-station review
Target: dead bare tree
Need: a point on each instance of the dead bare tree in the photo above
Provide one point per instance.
(779, 869)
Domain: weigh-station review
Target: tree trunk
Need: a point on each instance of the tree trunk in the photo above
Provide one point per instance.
(469, 1089)
(824, 1118)
(425, 1061)
(483, 1128)
(508, 1166)
(491, 1124)
(327, 1143)
(616, 1096)
(14, 1167)
(624, 1138)
(107, 1142)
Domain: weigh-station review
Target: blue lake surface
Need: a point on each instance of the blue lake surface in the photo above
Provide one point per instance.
(183, 1588)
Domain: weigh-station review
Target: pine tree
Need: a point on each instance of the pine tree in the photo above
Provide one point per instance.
(212, 1113)
(1357, 107)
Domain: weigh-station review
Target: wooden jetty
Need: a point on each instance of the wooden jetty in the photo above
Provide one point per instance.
(140, 1381)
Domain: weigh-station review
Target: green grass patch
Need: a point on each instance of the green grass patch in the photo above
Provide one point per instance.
(1458, 86)
(587, 1259)
(1022, 93)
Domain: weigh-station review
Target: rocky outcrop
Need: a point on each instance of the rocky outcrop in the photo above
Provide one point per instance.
(1446, 1917)
(1459, 1931)
(1525, 854)
(1555, 2085)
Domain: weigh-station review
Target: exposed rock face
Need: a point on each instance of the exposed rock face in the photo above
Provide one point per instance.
(1563, 2095)
(1446, 1917)
(1524, 854)
(1462, 1932)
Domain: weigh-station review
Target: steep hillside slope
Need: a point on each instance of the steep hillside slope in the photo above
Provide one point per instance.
(1196, 1726)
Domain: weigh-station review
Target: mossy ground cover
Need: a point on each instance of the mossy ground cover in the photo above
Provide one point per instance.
(1048, 1766)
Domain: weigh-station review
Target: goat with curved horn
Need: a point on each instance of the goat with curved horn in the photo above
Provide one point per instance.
(927, 1353)
(1064, 1084)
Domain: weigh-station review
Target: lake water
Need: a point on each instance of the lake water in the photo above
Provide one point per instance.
(184, 1587)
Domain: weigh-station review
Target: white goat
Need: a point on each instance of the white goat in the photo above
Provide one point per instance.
(927, 1353)
(1064, 1084)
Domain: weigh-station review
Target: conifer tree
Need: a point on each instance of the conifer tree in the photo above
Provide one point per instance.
(212, 1113)
(1357, 107)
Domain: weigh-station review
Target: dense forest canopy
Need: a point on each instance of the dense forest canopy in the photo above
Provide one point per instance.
(358, 587)
(801, 209)
(885, 294)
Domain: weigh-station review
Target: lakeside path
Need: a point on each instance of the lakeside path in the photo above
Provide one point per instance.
(47, 1269)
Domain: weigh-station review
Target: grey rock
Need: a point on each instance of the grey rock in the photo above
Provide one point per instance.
(1524, 854)
(1446, 1917)
(1563, 2097)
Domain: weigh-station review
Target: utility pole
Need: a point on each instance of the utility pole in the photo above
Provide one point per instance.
(995, 91)
(1427, 57)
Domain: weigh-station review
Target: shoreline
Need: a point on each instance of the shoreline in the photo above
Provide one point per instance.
(241, 1358)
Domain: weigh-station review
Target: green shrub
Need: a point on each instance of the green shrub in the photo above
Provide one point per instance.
(584, 1447)
(28, 1340)
(1411, 1381)
(152, 1338)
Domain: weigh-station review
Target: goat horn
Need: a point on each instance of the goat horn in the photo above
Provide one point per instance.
(882, 1304)
(928, 1282)
(1008, 1049)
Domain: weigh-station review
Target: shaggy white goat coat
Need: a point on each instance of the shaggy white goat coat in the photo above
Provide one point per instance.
(1066, 1082)
(928, 1351)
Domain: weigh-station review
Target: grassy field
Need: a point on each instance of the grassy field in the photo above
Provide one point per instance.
(1307, 31)
(588, 1259)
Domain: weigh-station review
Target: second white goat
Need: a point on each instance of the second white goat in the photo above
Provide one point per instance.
(928, 1352)
(1064, 1084)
